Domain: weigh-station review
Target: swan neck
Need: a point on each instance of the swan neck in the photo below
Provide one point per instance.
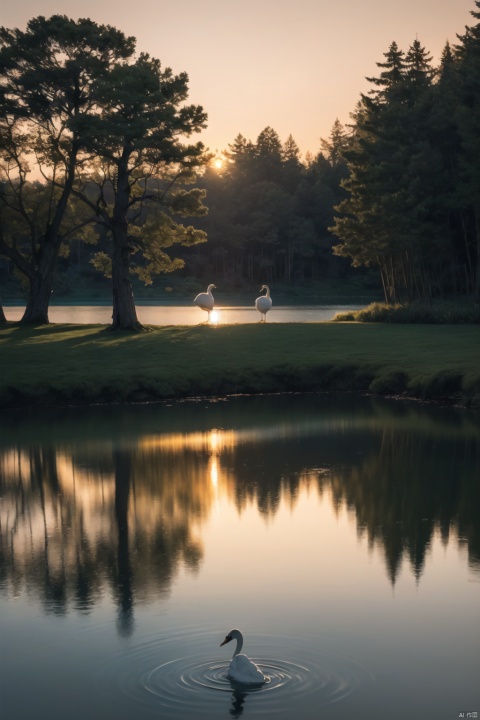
(267, 294)
(239, 645)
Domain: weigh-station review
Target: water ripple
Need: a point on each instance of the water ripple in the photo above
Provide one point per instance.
(196, 685)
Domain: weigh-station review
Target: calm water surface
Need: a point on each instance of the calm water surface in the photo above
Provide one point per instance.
(340, 534)
(186, 315)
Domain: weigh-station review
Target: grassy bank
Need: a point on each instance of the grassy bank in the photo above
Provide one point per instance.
(441, 312)
(61, 364)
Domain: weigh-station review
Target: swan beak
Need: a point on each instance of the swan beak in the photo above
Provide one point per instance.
(227, 639)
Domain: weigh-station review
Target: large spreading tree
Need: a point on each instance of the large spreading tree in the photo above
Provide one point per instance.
(140, 188)
(48, 73)
(94, 123)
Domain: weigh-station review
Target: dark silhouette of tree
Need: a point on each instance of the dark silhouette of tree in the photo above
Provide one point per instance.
(48, 73)
(269, 213)
(468, 116)
(394, 216)
(146, 168)
(105, 126)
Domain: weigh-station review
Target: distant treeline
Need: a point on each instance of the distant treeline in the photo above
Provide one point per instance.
(397, 189)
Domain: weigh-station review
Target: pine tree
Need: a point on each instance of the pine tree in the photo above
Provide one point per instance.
(468, 117)
(392, 76)
(240, 156)
(291, 151)
(386, 220)
(418, 69)
(268, 155)
(336, 145)
(138, 138)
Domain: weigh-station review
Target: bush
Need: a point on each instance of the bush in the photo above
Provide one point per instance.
(442, 312)
(391, 383)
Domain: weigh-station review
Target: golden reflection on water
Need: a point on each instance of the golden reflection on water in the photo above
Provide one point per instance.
(77, 517)
(213, 441)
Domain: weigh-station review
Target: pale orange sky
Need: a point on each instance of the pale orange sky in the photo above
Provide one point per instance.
(295, 65)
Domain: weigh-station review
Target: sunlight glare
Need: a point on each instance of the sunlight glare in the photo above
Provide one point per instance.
(214, 317)
(218, 164)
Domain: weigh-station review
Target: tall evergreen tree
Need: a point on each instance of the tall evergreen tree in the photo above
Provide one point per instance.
(268, 155)
(392, 75)
(335, 146)
(468, 117)
(291, 151)
(386, 219)
(418, 69)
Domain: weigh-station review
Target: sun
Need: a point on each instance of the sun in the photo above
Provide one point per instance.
(218, 164)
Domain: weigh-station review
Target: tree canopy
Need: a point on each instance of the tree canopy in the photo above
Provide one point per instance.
(76, 102)
(108, 134)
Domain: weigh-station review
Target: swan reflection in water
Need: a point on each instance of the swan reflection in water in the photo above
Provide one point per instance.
(241, 668)
(238, 702)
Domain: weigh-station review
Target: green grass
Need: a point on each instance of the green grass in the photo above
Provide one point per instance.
(442, 312)
(59, 364)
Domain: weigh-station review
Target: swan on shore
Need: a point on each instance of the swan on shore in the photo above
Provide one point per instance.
(264, 303)
(241, 668)
(205, 301)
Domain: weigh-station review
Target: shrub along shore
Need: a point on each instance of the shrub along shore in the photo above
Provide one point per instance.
(85, 364)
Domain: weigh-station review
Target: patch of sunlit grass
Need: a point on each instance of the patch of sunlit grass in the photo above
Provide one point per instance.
(83, 364)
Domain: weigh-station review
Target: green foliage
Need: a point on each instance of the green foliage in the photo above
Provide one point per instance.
(104, 127)
(47, 91)
(397, 190)
(269, 213)
(144, 167)
(454, 312)
(411, 208)
(393, 382)
(102, 262)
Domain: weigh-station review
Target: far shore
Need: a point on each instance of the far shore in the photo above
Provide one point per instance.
(222, 300)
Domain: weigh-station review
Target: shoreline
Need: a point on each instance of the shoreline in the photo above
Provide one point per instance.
(72, 365)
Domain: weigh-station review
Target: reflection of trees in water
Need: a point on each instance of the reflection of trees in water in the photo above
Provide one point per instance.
(72, 525)
(411, 489)
(402, 486)
(81, 517)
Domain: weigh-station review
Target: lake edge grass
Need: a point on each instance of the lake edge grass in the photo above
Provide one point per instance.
(457, 311)
(55, 365)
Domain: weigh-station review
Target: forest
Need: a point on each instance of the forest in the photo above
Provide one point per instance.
(99, 178)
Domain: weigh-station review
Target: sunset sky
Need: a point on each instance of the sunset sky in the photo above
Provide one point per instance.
(294, 65)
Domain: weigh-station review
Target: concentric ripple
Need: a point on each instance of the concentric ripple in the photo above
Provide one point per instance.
(193, 685)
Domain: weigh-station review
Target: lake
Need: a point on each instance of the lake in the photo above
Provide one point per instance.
(161, 314)
(341, 535)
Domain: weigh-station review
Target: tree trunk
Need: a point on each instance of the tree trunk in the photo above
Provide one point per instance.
(124, 315)
(476, 293)
(42, 276)
(41, 285)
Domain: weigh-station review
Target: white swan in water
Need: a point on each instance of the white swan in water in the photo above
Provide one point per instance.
(241, 668)
(205, 300)
(264, 302)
